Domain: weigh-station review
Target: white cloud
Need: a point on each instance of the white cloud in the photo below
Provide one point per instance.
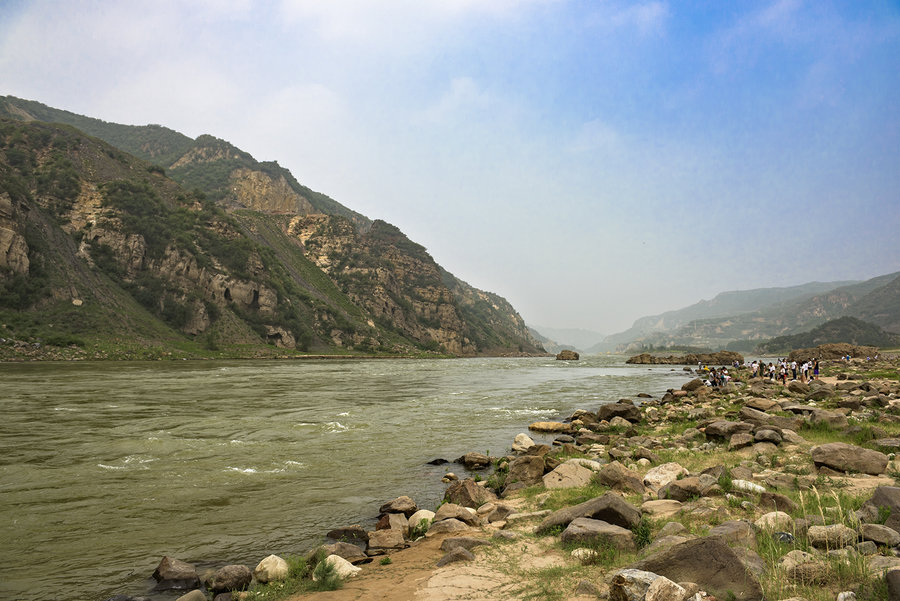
(645, 17)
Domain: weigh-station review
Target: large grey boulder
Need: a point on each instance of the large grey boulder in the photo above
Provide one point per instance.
(474, 461)
(845, 457)
(836, 536)
(455, 555)
(687, 488)
(527, 470)
(724, 429)
(880, 535)
(626, 411)
(355, 535)
(234, 577)
(609, 507)
(618, 477)
(174, 574)
(468, 494)
(568, 475)
(446, 526)
(586, 530)
(348, 551)
(381, 541)
(453, 511)
(404, 505)
(709, 562)
(886, 498)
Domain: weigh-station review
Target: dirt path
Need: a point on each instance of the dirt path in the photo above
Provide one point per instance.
(413, 575)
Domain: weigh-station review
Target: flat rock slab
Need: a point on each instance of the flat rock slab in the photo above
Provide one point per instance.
(845, 457)
(709, 562)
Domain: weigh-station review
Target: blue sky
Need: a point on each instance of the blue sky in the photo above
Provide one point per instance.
(592, 162)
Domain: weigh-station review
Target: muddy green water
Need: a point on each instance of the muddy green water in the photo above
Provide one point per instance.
(107, 467)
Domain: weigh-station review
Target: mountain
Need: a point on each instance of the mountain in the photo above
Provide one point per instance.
(741, 320)
(568, 338)
(844, 329)
(196, 248)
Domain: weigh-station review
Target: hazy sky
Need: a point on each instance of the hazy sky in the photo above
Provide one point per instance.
(592, 162)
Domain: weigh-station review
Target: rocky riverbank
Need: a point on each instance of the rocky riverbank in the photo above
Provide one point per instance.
(751, 491)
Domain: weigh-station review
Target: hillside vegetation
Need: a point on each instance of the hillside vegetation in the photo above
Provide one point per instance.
(103, 254)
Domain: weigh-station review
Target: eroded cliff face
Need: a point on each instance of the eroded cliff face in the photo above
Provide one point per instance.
(259, 191)
(13, 248)
(395, 280)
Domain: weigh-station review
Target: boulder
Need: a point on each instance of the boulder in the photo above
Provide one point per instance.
(455, 555)
(343, 568)
(348, 551)
(892, 577)
(844, 457)
(528, 469)
(735, 532)
(466, 542)
(626, 411)
(659, 476)
(687, 488)
(586, 530)
(775, 521)
(174, 574)
(798, 387)
(468, 494)
(618, 477)
(638, 585)
(404, 505)
(710, 563)
(472, 461)
(661, 508)
(522, 443)
(274, 568)
(549, 427)
(449, 511)
(567, 355)
(355, 535)
(888, 498)
(693, 385)
(446, 526)
(394, 521)
(609, 507)
(194, 595)
(568, 475)
(231, 578)
(776, 502)
(724, 429)
(880, 535)
(420, 516)
(381, 541)
(836, 536)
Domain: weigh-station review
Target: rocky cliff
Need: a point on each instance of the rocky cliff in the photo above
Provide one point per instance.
(87, 229)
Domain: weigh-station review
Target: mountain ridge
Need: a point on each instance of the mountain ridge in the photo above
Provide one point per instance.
(244, 255)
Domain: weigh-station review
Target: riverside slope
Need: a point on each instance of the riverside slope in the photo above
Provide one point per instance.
(209, 254)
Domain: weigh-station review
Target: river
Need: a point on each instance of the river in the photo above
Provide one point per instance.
(107, 467)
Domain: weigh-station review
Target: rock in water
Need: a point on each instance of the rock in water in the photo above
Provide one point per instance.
(567, 355)
(175, 574)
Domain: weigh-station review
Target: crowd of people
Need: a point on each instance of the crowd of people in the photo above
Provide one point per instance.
(777, 371)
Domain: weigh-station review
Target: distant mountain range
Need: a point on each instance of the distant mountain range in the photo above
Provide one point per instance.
(741, 320)
(557, 339)
(117, 236)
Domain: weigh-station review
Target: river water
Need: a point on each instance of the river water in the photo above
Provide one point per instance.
(107, 467)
